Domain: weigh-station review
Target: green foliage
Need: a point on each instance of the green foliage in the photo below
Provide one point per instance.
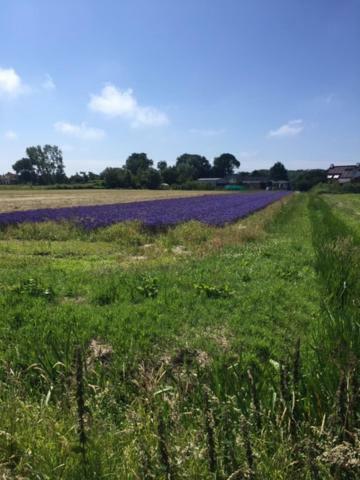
(278, 172)
(138, 162)
(213, 291)
(149, 286)
(225, 164)
(338, 188)
(137, 173)
(191, 167)
(42, 165)
(117, 178)
(149, 178)
(34, 288)
(46, 231)
(338, 264)
(126, 234)
(169, 175)
(307, 179)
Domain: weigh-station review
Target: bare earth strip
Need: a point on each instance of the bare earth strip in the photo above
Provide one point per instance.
(14, 200)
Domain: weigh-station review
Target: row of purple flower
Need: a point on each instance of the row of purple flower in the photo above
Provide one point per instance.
(209, 209)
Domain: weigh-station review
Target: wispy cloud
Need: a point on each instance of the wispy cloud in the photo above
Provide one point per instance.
(114, 102)
(48, 83)
(81, 131)
(11, 84)
(207, 132)
(289, 129)
(10, 135)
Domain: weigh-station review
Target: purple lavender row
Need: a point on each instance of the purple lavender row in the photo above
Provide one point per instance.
(209, 209)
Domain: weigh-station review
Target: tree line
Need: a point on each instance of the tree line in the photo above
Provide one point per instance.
(45, 166)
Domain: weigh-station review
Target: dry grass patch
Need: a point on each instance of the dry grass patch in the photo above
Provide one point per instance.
(15, 200)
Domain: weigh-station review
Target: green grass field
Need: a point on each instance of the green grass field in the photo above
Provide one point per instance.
(195, 353)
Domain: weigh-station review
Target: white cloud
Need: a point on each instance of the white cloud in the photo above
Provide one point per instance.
(81, 131)
(290, 129)
(10, 135)
(48, 83)
(122, 103)
(207, 132)
(10, 83)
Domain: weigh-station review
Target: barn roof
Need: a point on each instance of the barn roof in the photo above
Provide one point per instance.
(344, 171)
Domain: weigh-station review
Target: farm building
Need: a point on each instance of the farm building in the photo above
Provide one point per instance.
(251, 183)
(256, 182)
(343, 173)
(8, 178)
(280, 185)
(216, 182)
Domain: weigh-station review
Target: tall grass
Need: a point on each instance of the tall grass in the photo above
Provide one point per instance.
(337, 337)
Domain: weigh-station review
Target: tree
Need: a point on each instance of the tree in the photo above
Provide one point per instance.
(192, 166)
(225, 165)
(278, 172)
(46, 163)
(162, 166)
(92, 176)
(137, 162)
(260, 173)
(149, 178)
(306, 179)
(117, 178)
(169, 175)
(24, 170)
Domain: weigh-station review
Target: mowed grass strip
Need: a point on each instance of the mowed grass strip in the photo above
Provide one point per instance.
(347, 207)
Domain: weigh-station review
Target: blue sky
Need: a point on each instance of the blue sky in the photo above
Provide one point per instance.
(267, 80)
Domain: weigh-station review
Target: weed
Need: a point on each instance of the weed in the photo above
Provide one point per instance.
(213, 291)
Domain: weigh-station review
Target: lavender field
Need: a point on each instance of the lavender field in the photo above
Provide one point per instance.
(212, 210)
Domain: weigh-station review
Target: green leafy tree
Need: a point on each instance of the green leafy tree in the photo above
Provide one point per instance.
(278, 172)
(169, 175)
(43, 164)
(307, 179)
(117, 178)
(192, 166)
(162, 166)
(225, 164)
(25, 170)
(137, 162)
(260, 173)
(149, 178)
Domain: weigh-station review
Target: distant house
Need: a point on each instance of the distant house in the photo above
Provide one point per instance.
(256, 182)
(280, 185)
(8, 179)
(233, 179)
(251, 183)
(343, 173)
(215, 182)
